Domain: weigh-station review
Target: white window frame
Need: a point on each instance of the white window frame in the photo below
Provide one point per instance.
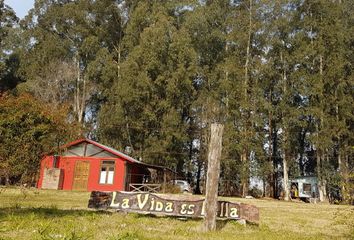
(107, 172)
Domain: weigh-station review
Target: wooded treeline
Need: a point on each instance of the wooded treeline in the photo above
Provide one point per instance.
(149, 77)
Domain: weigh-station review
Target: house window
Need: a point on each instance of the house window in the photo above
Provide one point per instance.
(107, 172)
(307, 188)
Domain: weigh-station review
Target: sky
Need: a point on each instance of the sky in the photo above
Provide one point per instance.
(21, 7)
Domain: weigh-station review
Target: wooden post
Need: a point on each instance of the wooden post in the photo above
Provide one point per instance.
(213, 173)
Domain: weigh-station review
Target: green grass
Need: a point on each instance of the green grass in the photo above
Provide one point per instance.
(33, 214)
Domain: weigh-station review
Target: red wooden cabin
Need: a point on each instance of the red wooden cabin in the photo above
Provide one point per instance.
(86, 165)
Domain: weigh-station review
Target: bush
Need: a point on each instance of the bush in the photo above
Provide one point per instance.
(170, 188)
(256, 192)
(28, 128)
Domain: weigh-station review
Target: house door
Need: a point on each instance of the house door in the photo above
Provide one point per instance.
(128, 176)
(81, 175)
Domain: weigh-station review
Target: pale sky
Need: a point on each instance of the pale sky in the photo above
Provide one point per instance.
(21, 7)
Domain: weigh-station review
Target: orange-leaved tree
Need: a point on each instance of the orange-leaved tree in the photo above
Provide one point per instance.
(28, 128)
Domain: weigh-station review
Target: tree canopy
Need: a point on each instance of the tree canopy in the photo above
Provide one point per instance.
(149, 78)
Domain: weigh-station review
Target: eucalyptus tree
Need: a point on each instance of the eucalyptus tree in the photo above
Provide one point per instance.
(285, 88)
(328, 25)
(8, 62)
(79, 36)
(208, 27)
(242, 91)
(149, 107)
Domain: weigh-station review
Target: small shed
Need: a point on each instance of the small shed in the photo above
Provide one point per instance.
(86, 165)
(304, 187)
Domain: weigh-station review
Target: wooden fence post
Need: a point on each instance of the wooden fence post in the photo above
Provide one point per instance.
(211, 197)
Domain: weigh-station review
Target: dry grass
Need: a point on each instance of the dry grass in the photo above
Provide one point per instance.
(33, 214)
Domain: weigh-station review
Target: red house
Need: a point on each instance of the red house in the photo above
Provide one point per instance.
(86, 165)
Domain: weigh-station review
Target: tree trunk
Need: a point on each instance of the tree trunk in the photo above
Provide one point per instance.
(127, 126)
(275, 164)
(341, 163)
(83, 102)
(320, 155)
(80, 94)
(119, 59)
(245, 175)
(7, 180)
(271, 177)
(302, 136)
(199, 171)
(319, 178)
(264, 186)
(285, 127)
(342, 172)
(322, 192)
(285, 176)
(212, 185)
(347, 195)
(248, 49)
(244, 155)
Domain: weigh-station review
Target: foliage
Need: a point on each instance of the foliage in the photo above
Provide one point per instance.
(8, 58)
(78, 36)
(28, 129)
(149, 105)
(149, 77)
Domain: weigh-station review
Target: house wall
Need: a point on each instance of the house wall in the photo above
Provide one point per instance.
(308, 180)
(68, 166)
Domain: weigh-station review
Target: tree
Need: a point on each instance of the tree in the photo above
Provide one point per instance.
(149, 77)
(149, 106)
(322, 41)
(28, 128)
(245, 99)
(80, 35)
(8, 58)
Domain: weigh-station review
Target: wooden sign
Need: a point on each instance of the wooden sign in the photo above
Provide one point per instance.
(170, 205)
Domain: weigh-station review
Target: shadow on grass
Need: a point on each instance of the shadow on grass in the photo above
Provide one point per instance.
(47, 212)
(220, 224)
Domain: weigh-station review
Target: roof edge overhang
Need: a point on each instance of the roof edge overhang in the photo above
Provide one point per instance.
(112, 151)
(155, 166)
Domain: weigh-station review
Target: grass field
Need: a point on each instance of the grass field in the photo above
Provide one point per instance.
(33, 214)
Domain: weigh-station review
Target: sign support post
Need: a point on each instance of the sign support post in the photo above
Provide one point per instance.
(214, 155)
